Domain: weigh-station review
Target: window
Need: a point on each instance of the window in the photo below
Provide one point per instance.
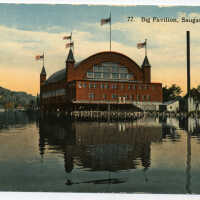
(79, 85)
(114, 86)
(84, 85)
(114, 96)
(138, 97)
(106, 86)
(123, 76)
(148, 97)
(106, 75)
(129, 87)
(106, 69)
(90, 85)
(115, 75)
(102, 86)
(134, 87)
(123, 70)
(153, 87)
(95, 68)
(115, 68)
(98, 75)
(91, 95)
(89, 74)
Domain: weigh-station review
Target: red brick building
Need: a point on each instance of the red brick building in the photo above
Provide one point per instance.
(105, 78)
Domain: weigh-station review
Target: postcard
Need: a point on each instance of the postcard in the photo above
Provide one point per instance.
(99, 99)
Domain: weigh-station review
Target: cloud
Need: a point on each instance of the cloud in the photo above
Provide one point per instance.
(168, 57)
(166, 50)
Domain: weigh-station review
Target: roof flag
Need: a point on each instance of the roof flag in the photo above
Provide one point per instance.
(67, 37)
(39, 57)
(105, 21)
(71, 44)
(141, 45)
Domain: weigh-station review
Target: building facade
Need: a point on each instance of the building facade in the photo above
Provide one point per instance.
(106, 78)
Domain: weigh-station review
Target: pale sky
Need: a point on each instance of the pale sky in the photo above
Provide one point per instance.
(28, 30)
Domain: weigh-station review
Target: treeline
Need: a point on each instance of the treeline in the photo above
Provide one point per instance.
(174, 93)
(13, 99)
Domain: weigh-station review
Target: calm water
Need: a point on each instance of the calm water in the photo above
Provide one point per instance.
(148, 156)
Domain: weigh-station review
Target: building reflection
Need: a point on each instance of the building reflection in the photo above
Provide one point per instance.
(191, 125)
(169, 132)
(188, 164)
(17, 118)
(99, 146)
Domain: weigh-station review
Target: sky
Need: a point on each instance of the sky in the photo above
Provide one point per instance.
(27, 30)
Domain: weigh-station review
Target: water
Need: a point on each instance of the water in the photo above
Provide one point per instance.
(147, 156)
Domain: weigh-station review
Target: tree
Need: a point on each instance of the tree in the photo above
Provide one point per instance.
(171, 93)
(198, 88)
(195, 93)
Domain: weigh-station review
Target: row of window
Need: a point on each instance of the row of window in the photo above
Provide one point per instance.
(107, 75)
(109, 71)
(114, 86)
(123, 98)
(53, 93)
(110, 67)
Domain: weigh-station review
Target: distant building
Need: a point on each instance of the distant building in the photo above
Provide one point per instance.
(106, 78)
(171, 106)
(189, 104)
(193, 105)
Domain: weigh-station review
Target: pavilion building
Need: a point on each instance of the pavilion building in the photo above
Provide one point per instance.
(105, 78)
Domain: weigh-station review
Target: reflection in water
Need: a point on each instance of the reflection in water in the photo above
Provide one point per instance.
(188, 164)
(191, 125)
(143, 156)
(13, 119)
(100, 146)
(101, 181)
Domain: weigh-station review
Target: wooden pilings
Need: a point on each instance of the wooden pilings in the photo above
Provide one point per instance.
(108, 116)
(104, 116)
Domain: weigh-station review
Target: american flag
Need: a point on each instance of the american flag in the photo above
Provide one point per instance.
(105, 21)
(141, 45)
(71, 44)
(38, 57)
(67, 37)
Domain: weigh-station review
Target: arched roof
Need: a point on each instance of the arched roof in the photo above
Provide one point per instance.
(57, 76)
(86, 64)
(104, 53)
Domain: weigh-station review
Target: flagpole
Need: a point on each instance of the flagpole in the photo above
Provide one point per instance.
(71, 42)
(73, 47)
(145, 47)
(110, 31)
(43, 58)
